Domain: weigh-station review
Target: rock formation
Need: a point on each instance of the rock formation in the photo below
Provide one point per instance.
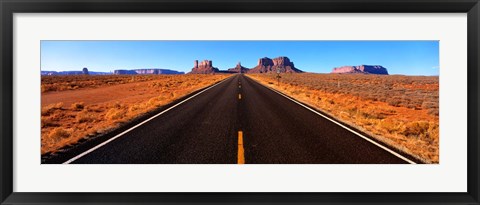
(238, 69)
(267, 65)
(204, 67)
(61, 73)
(124, 72)
(85, 71)
(365, 69)
(154, 71)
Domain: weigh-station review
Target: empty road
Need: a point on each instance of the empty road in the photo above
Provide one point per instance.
(238, 121)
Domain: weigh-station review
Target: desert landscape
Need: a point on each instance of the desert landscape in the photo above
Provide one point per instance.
(401, 111)
(78, 107)
(209, 114)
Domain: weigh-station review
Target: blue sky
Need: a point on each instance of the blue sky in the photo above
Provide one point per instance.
(399, 57)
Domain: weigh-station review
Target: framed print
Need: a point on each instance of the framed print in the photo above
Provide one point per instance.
(239, 102)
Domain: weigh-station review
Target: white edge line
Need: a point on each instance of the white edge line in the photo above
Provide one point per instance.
(345, 127)
(139, 124)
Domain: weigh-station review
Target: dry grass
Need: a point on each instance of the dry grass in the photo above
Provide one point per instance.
(47, 110)
(103, 104)
(74, 82)
(401, 111)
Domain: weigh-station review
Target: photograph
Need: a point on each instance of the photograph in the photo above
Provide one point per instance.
(239, 102)
(229, 102)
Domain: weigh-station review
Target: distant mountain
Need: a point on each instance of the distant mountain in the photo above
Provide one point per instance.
(267, 65)
(364, 69)
(146, 71)
(85, 71)
(238, 69)
(205, 67)
(73, 73)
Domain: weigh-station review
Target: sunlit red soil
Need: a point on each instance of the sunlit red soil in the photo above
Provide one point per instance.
(401, 111)
(78, 107)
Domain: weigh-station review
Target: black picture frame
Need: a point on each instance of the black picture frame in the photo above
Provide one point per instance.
(9, 7)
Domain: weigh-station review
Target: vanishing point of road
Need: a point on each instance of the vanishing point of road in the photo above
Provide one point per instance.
(238, 121)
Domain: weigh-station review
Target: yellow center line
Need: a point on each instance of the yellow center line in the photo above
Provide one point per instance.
(239, 96)
(241, 156)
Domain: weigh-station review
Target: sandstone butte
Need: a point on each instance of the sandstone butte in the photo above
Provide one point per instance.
(365, 69)
(282, 64)
(238, 69)
(85, 71)
(146, 71)
(204, 67)
(265, 65)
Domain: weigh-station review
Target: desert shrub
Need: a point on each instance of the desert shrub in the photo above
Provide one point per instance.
(136, 107)
(432, 133)
(433, 111)
(373, 115)
(186, 84)
(95, 108)
(49, 109)
(78, 106)
(411, 105)
(352, 111)
(394, 101)
(73, 82)
(115, 114)
(117, 105)
(390, 126)
(85, 116)
(48, 122)
(429, 105)
(296, 92)
(156, 84)
(58, 134)
(157, 101)
(372, 97)
(46, 88)
(416, 129)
